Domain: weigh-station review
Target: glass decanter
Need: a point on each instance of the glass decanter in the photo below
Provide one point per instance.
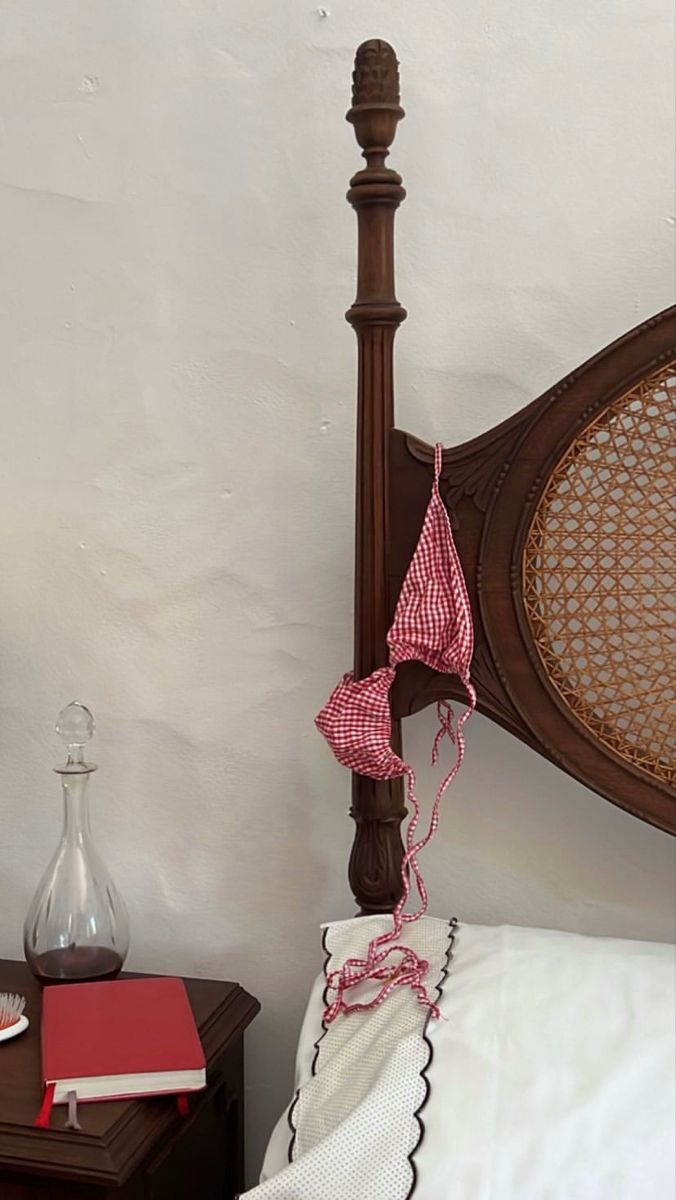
(77, 928)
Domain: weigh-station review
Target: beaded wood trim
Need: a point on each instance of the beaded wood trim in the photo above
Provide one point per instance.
(598, 577)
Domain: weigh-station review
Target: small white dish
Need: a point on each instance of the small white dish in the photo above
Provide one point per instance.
(14, 1030)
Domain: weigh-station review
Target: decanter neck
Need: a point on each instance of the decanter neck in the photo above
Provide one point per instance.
(76, 828)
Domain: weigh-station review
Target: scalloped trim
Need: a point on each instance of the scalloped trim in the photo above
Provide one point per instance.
(452, 928)
(328, 954)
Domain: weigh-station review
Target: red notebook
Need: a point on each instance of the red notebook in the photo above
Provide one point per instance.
(118, 1039)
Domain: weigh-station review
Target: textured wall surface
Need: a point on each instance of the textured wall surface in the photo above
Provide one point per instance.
(176, 465)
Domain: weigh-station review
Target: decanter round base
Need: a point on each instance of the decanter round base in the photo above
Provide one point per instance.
(76, 964)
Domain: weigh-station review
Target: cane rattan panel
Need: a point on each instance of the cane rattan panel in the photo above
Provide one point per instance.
(599, 583)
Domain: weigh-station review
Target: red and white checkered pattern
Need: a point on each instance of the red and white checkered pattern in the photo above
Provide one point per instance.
(433, 619)
(432, 624)
(357, 723)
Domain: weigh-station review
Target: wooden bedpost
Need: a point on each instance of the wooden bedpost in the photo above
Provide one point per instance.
(375, 194)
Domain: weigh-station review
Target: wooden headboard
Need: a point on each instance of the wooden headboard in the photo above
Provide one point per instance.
(560, 516)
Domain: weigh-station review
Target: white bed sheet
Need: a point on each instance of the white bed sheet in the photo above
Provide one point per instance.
(553, 1077)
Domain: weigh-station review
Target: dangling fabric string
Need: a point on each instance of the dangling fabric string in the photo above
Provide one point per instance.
(445, 715)
(410, 969)
(433, 624)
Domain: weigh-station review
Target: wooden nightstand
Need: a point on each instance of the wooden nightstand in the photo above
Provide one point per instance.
(128, 1150)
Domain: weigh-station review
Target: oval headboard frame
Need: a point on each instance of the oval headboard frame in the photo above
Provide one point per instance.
(492, 486)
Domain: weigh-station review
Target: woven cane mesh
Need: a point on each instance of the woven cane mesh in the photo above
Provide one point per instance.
(598, 577)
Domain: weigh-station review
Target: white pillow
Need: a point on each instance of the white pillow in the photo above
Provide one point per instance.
(552, 1077)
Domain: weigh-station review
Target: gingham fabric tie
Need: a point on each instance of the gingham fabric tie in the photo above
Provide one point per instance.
(432, 624)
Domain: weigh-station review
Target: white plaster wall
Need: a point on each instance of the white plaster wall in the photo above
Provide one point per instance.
(178, 423)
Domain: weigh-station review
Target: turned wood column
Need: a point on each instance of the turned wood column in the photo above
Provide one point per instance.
(375, 194)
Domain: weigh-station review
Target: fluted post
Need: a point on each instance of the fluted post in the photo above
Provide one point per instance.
(375, 194)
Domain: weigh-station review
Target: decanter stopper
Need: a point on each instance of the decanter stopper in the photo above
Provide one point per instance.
(75, 726)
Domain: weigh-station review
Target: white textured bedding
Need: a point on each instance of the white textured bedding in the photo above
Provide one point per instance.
(551, 1078)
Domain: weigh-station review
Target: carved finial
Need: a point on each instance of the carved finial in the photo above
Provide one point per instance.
(375, 79)
(375, 104)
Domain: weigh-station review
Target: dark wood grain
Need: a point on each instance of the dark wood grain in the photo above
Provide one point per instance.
(122, 1139)
(491, 487)
(375, 194)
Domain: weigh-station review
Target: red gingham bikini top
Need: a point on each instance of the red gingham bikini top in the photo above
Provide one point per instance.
(432, 624)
